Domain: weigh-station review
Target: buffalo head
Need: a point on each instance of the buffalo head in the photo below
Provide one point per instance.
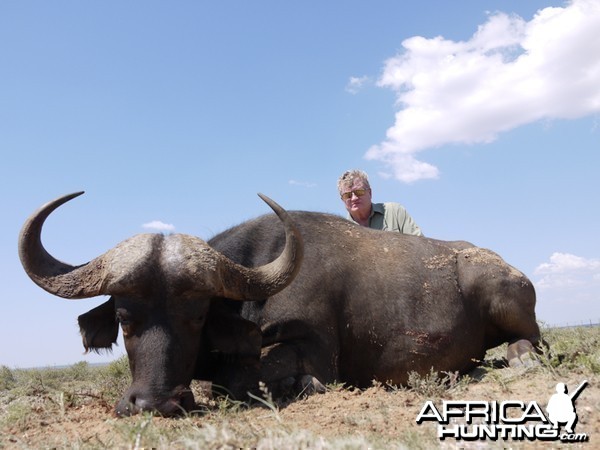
(170, 295)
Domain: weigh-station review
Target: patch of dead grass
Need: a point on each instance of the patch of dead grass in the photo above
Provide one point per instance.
(72, 408)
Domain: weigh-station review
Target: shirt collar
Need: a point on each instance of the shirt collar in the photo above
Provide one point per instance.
(376, 208)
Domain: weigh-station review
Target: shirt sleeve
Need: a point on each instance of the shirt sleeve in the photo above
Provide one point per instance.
(398, 219)
(410, 226)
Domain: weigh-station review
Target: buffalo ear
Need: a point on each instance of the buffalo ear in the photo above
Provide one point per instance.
(99, 327)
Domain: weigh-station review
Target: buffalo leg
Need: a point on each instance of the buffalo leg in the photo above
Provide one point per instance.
(507, 299)
(520, 353)
(285, 371)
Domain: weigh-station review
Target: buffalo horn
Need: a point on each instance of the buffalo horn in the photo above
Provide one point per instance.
(50, 274)
(242, 283)
(97, 278)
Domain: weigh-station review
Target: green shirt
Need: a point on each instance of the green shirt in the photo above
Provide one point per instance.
(392, 217)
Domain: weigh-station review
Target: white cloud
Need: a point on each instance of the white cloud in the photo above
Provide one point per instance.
(355, 84)
(567, 290)
(305, 184)
(509, 73)
(159, 226)
(566, 270)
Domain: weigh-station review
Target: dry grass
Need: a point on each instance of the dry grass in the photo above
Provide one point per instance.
(72, 407)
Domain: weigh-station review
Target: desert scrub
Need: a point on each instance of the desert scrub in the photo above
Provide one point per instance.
(435, 385)
(51, 391)
(7, 379)
(15, 414)
(571, 349)
(113, 379)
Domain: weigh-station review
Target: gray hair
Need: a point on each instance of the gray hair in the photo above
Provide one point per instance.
(348, 178)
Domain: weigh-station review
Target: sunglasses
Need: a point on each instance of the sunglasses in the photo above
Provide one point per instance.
(357, 192)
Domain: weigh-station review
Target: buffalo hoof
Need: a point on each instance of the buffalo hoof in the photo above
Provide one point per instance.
(296, 386)
(521, 354)
(310, 385)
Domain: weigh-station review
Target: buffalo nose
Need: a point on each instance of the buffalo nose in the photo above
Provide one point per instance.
(171, 407)
(142, 404)
(179, 401)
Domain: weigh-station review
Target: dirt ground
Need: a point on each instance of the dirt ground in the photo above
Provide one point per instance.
(377, 417)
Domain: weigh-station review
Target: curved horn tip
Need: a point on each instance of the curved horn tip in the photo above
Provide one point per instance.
(53, 204)
(68, 197)
(47, 208)
(272, 203)
(50, 274)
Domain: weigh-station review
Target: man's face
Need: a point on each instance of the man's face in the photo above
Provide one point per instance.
(356, 204)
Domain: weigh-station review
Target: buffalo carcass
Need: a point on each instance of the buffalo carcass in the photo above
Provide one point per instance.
(370, 304)
(172, 296)
(364, 305)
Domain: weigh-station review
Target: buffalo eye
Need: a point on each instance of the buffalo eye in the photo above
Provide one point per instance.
(196, 323)
(125, 319)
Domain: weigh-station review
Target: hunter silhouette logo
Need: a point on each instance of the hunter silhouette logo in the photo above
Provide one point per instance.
(510, 419)
(561, 406)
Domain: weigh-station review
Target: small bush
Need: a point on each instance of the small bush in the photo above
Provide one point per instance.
(16, 414)
(433, 384)
(114, 379)
(80, 371)
(7, 379)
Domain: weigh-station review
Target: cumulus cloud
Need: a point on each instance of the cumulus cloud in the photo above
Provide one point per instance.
(567, 270)
(566, 285)
(509, 73)
(159, 226)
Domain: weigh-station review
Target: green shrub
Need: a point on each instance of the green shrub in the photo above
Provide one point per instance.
(80, 371)
(7, 379)
(114, 379)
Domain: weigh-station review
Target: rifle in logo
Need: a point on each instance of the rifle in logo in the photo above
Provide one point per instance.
(561, 406)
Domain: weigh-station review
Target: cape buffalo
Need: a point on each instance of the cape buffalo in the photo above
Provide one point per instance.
(371, 304)
(168, 294)
(363, 305)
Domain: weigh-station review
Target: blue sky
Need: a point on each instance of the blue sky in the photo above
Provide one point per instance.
(481, 117)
